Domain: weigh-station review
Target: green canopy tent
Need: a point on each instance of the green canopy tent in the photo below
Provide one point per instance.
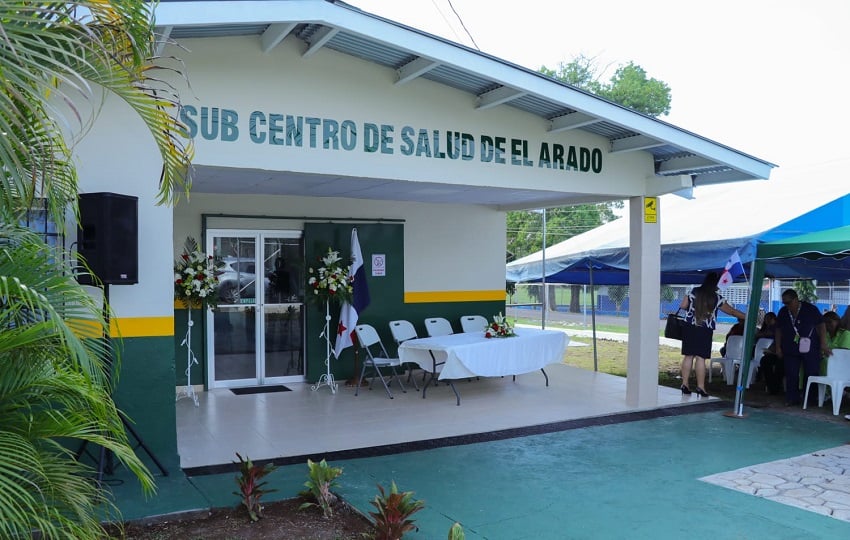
(812, 256)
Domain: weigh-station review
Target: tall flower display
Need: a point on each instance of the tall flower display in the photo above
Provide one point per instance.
(196, 277)
(330, 281)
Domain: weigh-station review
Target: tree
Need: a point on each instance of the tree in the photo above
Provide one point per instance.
(618, 295)
(629, 86)
(55, 389)
(806, 290)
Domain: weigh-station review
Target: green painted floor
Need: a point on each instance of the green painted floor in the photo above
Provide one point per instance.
(628, 480)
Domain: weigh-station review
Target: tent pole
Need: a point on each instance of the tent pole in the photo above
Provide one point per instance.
(593, 319)
(757, 275)
(543, 279)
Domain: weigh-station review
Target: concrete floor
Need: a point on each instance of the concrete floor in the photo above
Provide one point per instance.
(567, 461)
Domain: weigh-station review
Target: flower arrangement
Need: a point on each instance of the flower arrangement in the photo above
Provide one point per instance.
(330, 281)
(500, 327)
(196, 276)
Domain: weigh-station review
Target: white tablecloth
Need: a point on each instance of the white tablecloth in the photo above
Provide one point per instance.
(471, 354)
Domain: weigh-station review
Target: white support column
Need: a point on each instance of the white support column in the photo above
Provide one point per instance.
(644, 301)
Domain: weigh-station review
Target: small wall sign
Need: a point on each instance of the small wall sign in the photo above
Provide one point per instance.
(650, 210)
(379, 265)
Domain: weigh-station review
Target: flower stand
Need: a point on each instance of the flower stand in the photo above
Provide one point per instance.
(190, 361)
(327, 378)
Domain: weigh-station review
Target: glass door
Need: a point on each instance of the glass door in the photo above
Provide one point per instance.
(257, 332)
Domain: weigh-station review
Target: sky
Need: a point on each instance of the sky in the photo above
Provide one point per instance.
(765, 77)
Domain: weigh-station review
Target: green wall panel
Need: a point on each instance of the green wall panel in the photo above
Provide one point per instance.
(199, 345)
(146, 394)
(386, 293)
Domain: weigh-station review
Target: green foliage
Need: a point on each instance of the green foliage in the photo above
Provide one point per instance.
(617, 294)
(456, 532)
(394, 509)
(581, 72)
(321, 479)
(525, 228)
(250, 486)
(668, 293)
(55, 387)
(806, 290)
(629, 86)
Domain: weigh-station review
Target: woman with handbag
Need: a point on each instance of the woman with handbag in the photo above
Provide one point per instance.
(702, 305)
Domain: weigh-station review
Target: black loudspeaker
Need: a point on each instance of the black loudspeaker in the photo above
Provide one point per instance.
(108, 237)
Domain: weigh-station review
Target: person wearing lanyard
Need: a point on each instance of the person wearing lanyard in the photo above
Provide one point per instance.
(800, 341)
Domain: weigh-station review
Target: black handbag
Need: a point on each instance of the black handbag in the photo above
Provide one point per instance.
(675, 324)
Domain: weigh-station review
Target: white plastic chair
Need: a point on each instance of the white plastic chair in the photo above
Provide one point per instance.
(734, 354)
(837, 378)
(438, 326)
(402, 331)
(473, 323)
(376, 358)
(761, 345)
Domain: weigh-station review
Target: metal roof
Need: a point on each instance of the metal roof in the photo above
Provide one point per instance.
(413, 53)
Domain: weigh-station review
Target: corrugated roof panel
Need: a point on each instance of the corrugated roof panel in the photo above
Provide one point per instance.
(540, 106)
(185, 32)
(462, 80)
(612, 131)
(370, 50)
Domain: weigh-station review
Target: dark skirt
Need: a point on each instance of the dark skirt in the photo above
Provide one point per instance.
(696, 341)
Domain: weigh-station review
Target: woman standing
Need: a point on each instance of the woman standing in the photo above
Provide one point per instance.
(702, 305)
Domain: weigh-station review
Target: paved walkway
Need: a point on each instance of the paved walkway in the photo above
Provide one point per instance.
(579, 325)
(818, 481)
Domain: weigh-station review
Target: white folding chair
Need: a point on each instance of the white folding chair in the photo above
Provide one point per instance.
(837, 378)
(761, 345)
(734, 354)
(402, 331)
(473, 323)
(438, 326)
(376, 358)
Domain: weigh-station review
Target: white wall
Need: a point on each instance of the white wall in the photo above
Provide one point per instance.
(118, 155)
(446, 247)
(232, 73)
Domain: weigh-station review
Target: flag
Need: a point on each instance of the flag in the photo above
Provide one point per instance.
(734, 268)
(360, 298)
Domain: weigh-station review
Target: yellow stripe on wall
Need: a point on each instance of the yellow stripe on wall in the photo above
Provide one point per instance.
(130, 327)
(454, 296)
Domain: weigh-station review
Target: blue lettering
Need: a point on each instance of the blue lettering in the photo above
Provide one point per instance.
(486, 148)
(294, 131)
(370, 137)
(313, 123)
(349, 135)
(276, 125)
(256, 118)
(467, 146)
(209, 123)
(330, 134)
(500, 150)
(229, 127)
(188, 114)
(386, 139)
(543, 159)
(423, 145)
(407, 140)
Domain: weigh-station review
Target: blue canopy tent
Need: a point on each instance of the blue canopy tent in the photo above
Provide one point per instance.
(738, 218)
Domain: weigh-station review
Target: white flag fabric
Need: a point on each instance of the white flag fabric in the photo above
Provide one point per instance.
(350, 312)
(734, 268)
